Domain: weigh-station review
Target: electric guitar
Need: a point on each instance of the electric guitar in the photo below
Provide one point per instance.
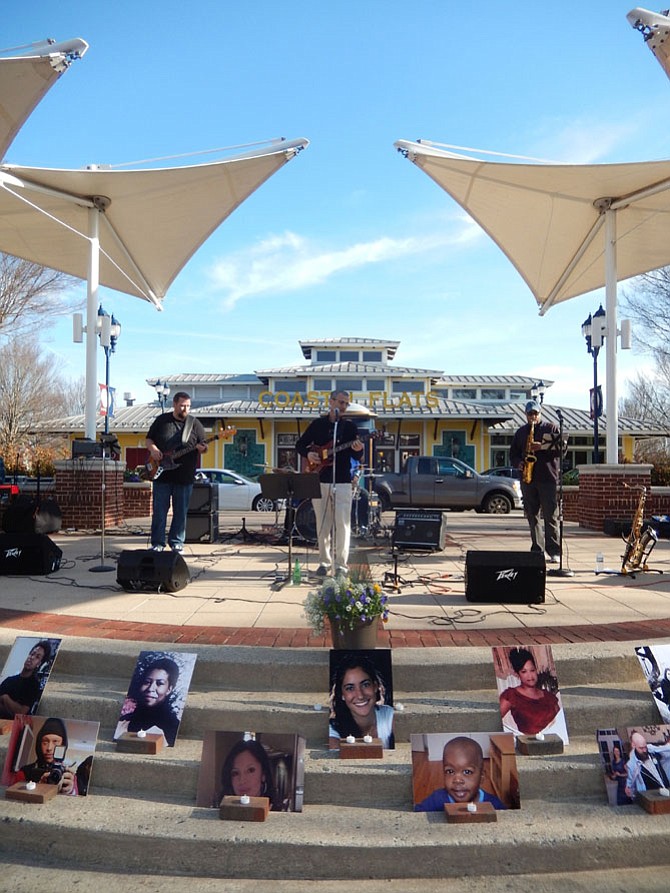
(154, 468)
(327, 453)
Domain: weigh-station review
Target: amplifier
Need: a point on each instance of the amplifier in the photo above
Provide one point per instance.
(28, 554)
(202, 528)
(423, 530)
(498, 577)
(29, 515)
(204, 498)
(143, 570)
(83, 448)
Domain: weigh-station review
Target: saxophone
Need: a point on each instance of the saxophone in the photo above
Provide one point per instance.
(529, 458)
(639, 541)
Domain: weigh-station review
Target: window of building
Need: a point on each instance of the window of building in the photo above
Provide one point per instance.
(292, 385)
(464, 393)
(410, 440)
(326, 356)
(372, 356)
(349, 356)
(349, 384)
(375, 384)
(493, 393)
(410, 387)
(323, 384)
(518, 395)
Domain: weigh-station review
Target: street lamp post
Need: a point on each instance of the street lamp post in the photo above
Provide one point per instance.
(162, 392)
(109, 330)
(593, 330)
(537, 391)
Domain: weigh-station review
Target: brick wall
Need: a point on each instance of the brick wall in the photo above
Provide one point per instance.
(602, 494)
(137, 500)
(79, 492)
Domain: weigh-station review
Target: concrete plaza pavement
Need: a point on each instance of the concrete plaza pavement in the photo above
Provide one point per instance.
(237, 594)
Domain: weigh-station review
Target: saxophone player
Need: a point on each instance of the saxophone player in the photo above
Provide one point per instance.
(536, 451)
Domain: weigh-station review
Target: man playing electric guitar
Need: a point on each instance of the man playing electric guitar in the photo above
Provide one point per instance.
(172, 432)
(331, 455)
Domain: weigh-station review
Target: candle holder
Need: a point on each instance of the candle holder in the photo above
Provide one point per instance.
(366, 748)
(244, 808)
(38, 793)
(469, 813)
(655, 802)
(534, 745)
(140, 742)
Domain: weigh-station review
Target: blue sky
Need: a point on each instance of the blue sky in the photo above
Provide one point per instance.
(349, 238)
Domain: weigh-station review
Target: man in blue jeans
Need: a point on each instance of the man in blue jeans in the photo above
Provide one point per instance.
(170, 434)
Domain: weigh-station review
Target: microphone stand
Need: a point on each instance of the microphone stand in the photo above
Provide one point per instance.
(560, 571)
(333, 523)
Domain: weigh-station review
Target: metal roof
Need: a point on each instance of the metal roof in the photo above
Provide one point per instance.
(350, 369)
(185, 378)
(503, 380)
(308, 346)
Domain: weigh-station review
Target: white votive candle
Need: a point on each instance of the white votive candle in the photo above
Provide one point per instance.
(317, 707)
(141, 734)
(245, 800)
(367, 739)
(664, 792)
(472, 807)
(30, 785)
(351, 739)
(400, 707)
(539, 736)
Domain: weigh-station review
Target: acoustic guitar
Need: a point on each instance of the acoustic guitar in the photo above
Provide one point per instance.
(154, 468)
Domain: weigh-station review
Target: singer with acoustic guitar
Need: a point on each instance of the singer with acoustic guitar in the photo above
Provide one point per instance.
(171, 433)
(328, 445)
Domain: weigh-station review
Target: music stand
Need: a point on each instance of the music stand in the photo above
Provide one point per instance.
(290, 485)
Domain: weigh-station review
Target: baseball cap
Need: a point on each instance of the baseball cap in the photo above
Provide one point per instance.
(532, 406)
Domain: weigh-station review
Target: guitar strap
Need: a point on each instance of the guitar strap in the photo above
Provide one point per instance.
(188, 427)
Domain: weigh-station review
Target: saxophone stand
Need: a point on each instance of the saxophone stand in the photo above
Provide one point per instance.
(560, 571)
(639, 543)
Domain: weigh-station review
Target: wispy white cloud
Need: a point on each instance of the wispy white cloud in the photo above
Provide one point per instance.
(290, 262)
(583, 140)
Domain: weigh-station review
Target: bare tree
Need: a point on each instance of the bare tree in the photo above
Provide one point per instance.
(28, 292)
(647, 301)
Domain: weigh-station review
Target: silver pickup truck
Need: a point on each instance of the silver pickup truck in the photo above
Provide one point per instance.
(436, 482)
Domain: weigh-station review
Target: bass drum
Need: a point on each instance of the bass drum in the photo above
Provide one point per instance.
(305, 521)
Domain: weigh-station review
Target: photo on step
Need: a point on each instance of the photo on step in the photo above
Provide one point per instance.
(647, 758)
(50, 750)
(613, 761)
(25, 674)
(157, 694)
(258, 764)
(361, 696)
(528, 694)
(465, 767)
(655, 663)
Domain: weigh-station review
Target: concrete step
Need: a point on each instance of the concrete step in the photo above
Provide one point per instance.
(346, 843)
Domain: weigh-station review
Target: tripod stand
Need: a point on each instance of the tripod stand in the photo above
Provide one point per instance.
(290, 486)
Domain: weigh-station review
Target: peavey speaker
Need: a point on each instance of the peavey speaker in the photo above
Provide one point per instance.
(202, 528)
(498, 577)
(204, 498)
(28, 515)
(28, 554)
(143, 570)
(424, 530)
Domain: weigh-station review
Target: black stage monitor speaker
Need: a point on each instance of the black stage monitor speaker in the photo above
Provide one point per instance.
(28, 554)
(142, 570)
(416, 529)
(204, 498)
(84, 448)
(202, 528)
(499, 577)
(29, 515)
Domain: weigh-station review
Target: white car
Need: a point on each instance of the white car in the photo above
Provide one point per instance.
(235, 490)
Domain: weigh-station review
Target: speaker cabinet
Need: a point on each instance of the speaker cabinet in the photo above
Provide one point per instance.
(505, 577)
(202, 528)
(142, 570)
(28, 554)
(204, 499)
(28, 515)
(424, 530)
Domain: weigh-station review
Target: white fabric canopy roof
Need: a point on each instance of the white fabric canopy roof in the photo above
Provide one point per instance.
(568, 229)
(150, 221)
(546, 219)
(24, 80)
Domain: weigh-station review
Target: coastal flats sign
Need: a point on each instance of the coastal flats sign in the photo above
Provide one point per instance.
(372, 399)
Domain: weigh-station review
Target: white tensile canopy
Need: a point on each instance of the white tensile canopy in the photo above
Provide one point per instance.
(655, 28)
(568, 229)
(25, 79)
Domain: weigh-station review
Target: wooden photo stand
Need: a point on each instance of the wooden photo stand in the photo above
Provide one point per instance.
(41, 793)
(361, 750)
(654, 802)
(459, 814)
(529, 745)
(256, 810)
(130, 742)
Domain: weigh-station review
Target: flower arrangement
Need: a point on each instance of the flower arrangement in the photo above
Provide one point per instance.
(345, 601)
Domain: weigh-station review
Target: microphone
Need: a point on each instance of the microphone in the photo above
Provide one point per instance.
(337, 412)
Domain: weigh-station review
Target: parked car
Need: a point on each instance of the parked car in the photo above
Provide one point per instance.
(505, 471)
(236, 491)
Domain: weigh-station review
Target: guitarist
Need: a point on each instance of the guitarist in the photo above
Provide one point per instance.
(333, 510)
(168, 432)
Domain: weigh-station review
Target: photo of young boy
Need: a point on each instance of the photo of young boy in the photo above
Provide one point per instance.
(456, 769)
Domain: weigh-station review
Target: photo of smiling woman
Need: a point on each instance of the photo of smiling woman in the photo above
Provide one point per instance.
(157, 694)
(361, 696)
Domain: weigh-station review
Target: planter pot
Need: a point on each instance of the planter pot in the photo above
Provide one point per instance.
(362, 636)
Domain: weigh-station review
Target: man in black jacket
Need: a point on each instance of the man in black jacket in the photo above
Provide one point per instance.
(328, 445)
